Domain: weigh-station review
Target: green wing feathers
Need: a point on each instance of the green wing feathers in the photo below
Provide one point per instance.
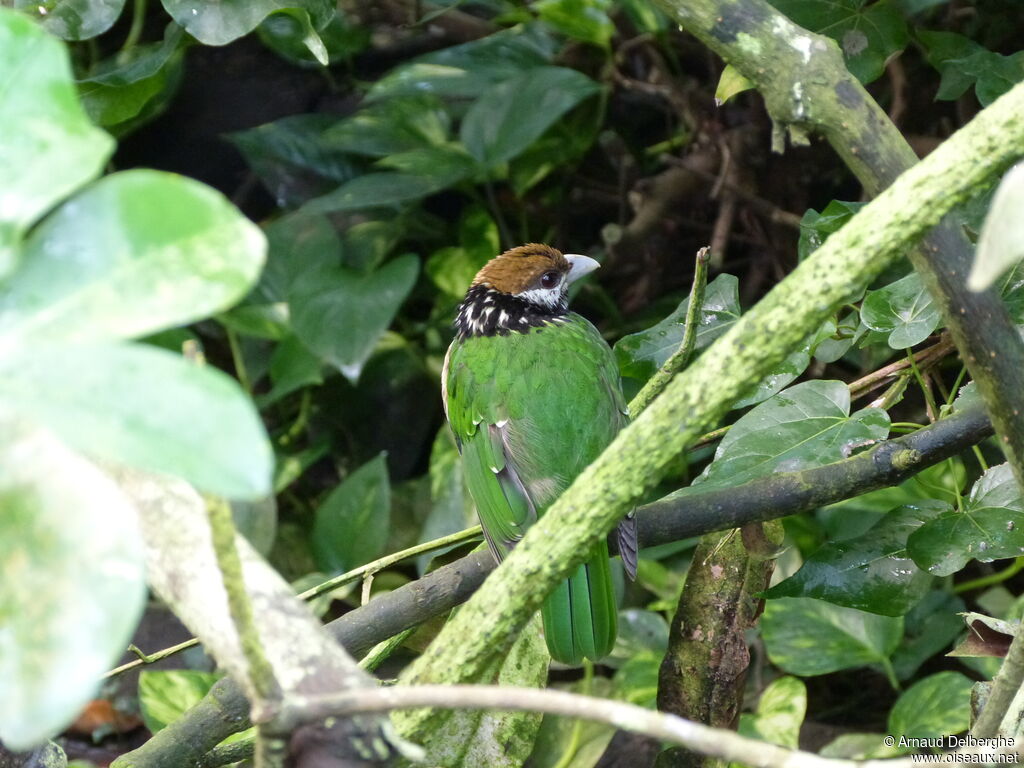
(530, 411)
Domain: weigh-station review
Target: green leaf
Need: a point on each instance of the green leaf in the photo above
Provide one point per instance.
(730, 83)
(585, 20)
(641, 354)
(298, 41)
(929, 628)
(377, 190)
(871, 572)
(512, 115)
(640, 631)
(292, 366)
(990, 527)
(808, 425)
(904, 310)
(559, 149)
(563, 742)
(636, 681)
(810, 637)
(293, 159)
(938, 705)
(135, 253)
(351, 525)
(73, 19)
(50, 147)
(816, 227)
(445, 165)
(120, 87)
(963, 63)
(341, 314)
(471, 69)
(74, 585)
(165, 695)
(1001, 244)
(145, 407)
(221, 22)
(393, 126)
(780, 713)
(867, 33)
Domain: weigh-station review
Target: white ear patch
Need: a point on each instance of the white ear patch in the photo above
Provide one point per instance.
(548, 298)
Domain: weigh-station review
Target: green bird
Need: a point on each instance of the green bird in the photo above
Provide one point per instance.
(533, 395)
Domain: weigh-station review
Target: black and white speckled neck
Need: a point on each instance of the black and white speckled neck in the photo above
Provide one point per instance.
(487, 312)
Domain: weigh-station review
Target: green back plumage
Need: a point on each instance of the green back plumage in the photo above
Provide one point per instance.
(530, 411)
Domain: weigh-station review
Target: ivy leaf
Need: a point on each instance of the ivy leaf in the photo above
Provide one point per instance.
(351, 526)
(221, 22)
(50, 147)
(904, 310)
(816, 227)
(963, 63)
(867, 33)
(990, 527)
(641, 354)
(513, 114)
(74, 19)
(808, 425)
(165, 695)
(935, 706)
(871, 572)
(1001, 244)
(811, 637)
(69, 540)
(341, 313)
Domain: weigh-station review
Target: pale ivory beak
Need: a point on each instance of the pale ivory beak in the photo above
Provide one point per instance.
(579, 266)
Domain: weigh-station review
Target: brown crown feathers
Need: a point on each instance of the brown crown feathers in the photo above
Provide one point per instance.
(521, 268)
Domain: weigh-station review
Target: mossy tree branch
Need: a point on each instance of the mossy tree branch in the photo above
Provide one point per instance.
(698, 397)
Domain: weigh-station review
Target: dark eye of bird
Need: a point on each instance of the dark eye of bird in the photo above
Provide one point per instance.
(549, 279)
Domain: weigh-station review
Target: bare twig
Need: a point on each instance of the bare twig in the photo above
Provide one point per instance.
(681, 356)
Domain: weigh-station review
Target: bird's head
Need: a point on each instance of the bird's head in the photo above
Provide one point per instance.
(538, 274)
(523, 288)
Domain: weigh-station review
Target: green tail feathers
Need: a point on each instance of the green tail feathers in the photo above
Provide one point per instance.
(580, 616)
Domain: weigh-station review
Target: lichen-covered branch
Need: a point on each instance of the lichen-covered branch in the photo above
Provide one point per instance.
(699, 396)
(224, 709)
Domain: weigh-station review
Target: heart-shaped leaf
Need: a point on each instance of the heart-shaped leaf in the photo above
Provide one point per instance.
(871, 572)
(74, 19)
(351, 526)
(990, 527)
(811, 637)
(938, 705)
(226, 20)
(340, 313)
(904, 310)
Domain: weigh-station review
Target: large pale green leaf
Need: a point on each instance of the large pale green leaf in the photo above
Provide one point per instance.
(351, 526)
(340, 313)
(218, 23)
(811, 637)
(469, 70)
(165, 695)
(990, 527)
(872, 572)
(808, 425)
(936, 706)
(73, 582)
(145, 407)
(1001, 244)
(641, 354)
(50, 148)
(867, 32)
(135, 253)
(512, 115)
(904, 310)
(73, 19)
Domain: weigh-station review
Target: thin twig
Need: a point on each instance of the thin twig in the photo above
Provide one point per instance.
(681, 356)
(716, 742)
